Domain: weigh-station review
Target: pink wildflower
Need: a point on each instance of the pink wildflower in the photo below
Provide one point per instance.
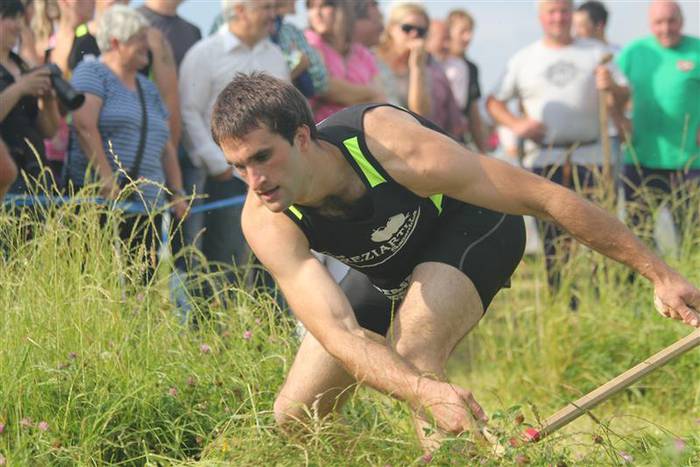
(2, 428)
(679, 445)
(2, 460)
(247, 335)
(26, 422)
(204, 348)
(172, 391)
(427, 458)
(43, 426)
(626, 457)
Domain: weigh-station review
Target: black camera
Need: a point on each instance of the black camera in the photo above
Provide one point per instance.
(69, 97)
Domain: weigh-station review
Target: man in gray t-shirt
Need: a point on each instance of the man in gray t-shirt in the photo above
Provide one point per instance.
(162, 15)
(557, 80)
(181, 34)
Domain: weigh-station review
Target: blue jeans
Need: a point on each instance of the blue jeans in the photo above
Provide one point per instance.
(190, 232)
(223, 242)
(557, 243)
(646, 188)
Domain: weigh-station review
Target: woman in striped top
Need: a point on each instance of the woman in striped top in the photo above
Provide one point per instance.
(107, 128)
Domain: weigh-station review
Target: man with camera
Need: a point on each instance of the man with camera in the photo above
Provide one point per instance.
(28, 107)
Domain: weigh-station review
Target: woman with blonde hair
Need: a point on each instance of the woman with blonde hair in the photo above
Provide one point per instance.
(410, 75)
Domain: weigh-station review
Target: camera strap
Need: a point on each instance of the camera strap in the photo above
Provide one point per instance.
(134, 172)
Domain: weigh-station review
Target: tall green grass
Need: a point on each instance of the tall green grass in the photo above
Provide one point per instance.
(95, 368)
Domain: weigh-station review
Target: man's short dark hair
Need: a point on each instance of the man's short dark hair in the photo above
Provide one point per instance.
(361, 8)
(252, 101)
(11, 8)
(596, 12)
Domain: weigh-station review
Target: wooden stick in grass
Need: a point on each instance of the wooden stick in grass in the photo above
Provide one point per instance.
(603, 119)
(575, 409)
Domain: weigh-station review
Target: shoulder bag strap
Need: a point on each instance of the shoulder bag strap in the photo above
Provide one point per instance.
(134, 172)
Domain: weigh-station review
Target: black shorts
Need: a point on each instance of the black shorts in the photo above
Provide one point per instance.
(485, 245)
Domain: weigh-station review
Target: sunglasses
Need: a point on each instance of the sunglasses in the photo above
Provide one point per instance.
(420, 30)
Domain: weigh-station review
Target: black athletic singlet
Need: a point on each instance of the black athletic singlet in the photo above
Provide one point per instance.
(385, 245)
(402, 230)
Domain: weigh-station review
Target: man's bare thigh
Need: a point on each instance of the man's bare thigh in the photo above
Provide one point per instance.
(441, 306)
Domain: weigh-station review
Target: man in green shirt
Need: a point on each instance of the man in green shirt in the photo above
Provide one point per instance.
(664, 73)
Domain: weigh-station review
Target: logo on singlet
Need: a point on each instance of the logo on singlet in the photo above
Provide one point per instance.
(382, 234)
(391, 238)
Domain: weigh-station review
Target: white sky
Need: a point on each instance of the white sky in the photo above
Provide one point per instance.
(502, 27)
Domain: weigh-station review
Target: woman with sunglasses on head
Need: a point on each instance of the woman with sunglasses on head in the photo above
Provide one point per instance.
(352, 69)
(410, 75)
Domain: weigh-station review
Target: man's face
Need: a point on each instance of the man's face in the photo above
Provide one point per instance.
(368, 30)
(666, 23)
(582, 25)
(268, 164)
(260, 16)
(437, 41)
(555, 18)
(460, 36)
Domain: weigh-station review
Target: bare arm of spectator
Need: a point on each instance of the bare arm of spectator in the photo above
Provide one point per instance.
(49, 116)
(301, 65)
(35, 84)
(523, 127)
(418, 87)
(476, 128)
(165, 78)
(8, 170)
(507, 89)
(617, 94)
(85, 121)
(195, 90)
(173, 179)
(345, 93)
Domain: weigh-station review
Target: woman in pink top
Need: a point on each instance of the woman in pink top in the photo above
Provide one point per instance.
(351, 67)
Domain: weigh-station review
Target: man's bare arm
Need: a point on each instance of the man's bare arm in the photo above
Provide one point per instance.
(430, 163)
(325, 312)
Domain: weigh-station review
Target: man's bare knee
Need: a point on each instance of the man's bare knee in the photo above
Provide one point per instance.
(289, 413)
(286, 413)
(427, 360)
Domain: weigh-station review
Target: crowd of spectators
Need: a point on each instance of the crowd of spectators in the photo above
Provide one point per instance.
(150, 81)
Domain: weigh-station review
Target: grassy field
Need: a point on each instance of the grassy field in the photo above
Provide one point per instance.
(96, 369)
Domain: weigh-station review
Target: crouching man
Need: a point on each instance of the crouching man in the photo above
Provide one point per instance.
(431, 231)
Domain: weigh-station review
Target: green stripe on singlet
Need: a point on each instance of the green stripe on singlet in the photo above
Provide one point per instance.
(81, 30)
(296, 212)
(373, 176)
(437, 201)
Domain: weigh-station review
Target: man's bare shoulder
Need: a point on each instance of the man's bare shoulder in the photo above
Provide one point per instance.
(404, 147)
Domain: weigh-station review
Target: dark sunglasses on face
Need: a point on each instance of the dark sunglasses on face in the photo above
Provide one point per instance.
(420, 31)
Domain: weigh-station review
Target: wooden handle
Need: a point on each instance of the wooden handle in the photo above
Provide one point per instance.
(603, 119)
(584, 404)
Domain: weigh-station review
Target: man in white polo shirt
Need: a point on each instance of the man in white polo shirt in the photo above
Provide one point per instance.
(557, 80)
(241, 47)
